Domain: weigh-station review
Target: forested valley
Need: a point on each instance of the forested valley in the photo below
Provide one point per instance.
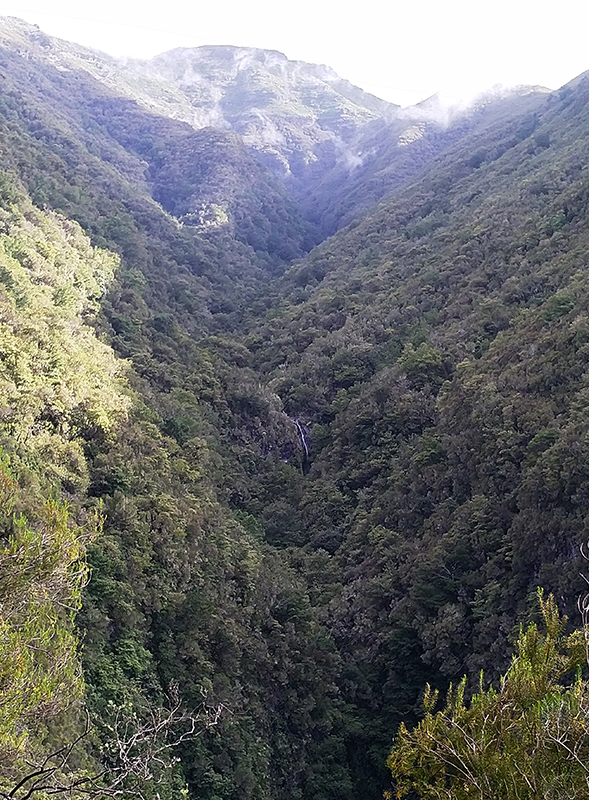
(294, 421)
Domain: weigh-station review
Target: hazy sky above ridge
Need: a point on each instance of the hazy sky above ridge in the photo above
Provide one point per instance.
(402, 51)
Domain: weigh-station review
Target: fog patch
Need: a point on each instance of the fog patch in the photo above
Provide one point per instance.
(445, 107)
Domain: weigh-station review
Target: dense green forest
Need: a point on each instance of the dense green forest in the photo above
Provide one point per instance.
(260, 484)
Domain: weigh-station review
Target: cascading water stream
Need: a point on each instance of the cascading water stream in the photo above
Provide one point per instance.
(303, 438)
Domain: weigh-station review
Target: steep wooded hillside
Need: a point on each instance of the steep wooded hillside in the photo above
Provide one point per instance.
(60, 388)
(435, 354)
(298, 116)
(324, 476)
(334, 149)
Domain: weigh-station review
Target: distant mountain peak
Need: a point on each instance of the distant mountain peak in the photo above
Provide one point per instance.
(289, 111)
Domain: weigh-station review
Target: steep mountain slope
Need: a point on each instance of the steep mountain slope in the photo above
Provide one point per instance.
(182, 591)
(294, 114)
(335, 149)
(436, 354)
(60, 387)
(93, 137)
(392, 154)
(321, 486)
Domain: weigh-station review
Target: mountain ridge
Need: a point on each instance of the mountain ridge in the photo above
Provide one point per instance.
(314, 131)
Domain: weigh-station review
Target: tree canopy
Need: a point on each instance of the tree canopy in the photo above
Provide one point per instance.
(526, 739)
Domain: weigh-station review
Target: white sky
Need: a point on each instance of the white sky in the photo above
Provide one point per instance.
(402, 51)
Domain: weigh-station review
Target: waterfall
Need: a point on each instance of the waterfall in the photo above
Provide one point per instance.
(302, 436)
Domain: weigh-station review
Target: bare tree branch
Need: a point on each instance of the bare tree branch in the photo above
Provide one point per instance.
(139, 748)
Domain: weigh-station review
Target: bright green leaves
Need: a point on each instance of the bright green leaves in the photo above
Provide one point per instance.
(526, 740)
(58, 382)
(60, 388)
(42, 572)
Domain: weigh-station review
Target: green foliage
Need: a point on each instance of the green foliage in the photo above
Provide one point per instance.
(58, 382)
(333, 485)
(60, 390)
(42, 573)
(422, 365)
(526, 739)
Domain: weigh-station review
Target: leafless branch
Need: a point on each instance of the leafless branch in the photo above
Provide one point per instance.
(139, 749)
